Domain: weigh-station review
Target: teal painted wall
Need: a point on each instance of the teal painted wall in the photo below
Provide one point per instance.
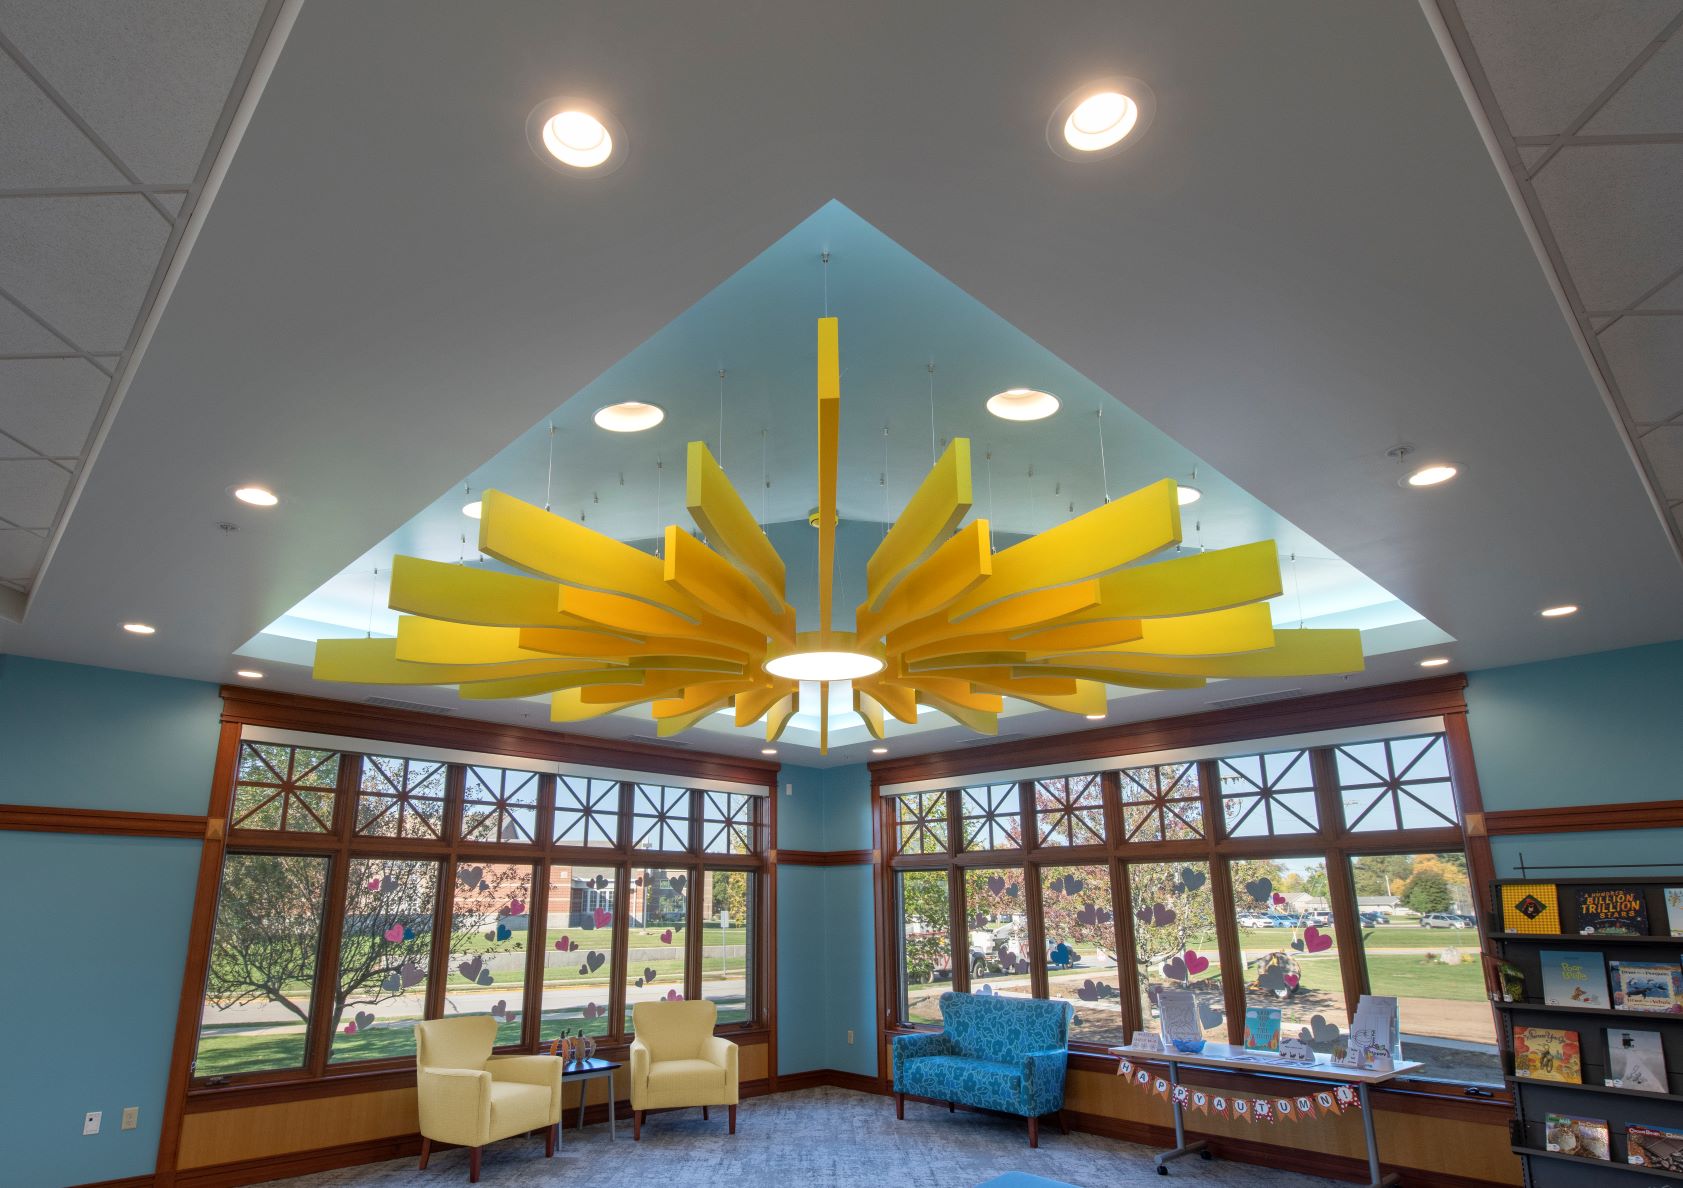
(826, 951)
(95, 972)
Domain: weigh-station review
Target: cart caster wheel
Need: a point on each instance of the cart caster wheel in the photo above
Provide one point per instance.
(1161, 1170)
(1205, 1156)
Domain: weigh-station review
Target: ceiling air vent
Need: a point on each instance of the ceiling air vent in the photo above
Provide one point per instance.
(655, 740)
(1256, 699)
(416, 706)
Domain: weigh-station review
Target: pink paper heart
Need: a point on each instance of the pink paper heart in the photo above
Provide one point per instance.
(1316, 940)
(350, 1029)
(1279, 899)
(674, 996)
(565, 945)
(602, 918)
(1291, 980)
(394, 934)
(666, 937)
(373, 884)
(1196, 964)
(517, 907)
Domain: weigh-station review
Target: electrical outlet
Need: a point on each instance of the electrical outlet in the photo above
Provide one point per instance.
(850, 1035)
(90, 1122)
(131, 1117)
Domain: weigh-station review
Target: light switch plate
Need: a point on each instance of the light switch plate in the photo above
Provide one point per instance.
(131, 1117)
(850, 1036)
(90, 1122)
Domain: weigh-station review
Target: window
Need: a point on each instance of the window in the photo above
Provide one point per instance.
(579, 936)
(401, 798)
(288, 789)
(1081, 967)
(1162, 803)
(655, 966)
(727, 931)
(991, 817)
(586, 811)
(926, 964)
(499, 805)
(264, 951)
(996, 915)
(1070, 811)
(727, 823)
(1288, 944)
(660, 818)
(490, 932)
(1426, 954)
(385, 941)
(1398, 784)
(1175, 946)
(921, 823)
(1268, 795)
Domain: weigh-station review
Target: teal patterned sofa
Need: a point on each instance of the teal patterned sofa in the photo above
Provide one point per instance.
(993, 1053)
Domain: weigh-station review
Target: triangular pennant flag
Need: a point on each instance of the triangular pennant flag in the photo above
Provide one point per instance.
(1262, 1111)
(1283, 1108)
(1124, 1067)
(1324, 1100)
(1142, 1078)
(1219, 1104)
(1182, 1095)
(1242, 1108)
(1160, 1087)
(1201, 1101)
(1305, 1107)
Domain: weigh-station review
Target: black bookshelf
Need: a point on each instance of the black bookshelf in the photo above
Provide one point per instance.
(1536, 1098)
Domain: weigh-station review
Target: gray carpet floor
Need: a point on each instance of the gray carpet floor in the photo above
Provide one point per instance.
(815, 1136)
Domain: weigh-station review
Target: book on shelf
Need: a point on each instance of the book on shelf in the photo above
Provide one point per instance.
(1262, 1029)
(1505, 981)
(1547, 1054)
(1648, 986)
(1585, 1137)
(1530, 907)
(1674, 910)
(1636, 1060)
(1612, 911)
(1659, 1147)
(1574, 979)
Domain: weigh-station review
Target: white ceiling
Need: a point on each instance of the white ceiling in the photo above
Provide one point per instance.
(1308, 259)
(1585, 102)
(114, 110)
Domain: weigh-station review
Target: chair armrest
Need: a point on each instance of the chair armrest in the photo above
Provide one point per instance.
(1043, 1081)
(641, 1058)
(530, 1070)
(910, 1047)
(454, 1104)
(721, 1052)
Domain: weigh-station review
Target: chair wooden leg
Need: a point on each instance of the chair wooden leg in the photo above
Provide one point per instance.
(900, 1106)
(1034, 1132)
(426, 1151)
(473, 1165)
(1063, 1125)
(704, 1113)
(549, 1142)
(951, 1108)
(636, 1126)
(733, 1119)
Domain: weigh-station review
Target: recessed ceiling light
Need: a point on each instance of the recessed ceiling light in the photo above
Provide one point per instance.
(629, 416)
(879, 750)
(140, 629)
(1558, 612)
(823, 666)
(1433, 475)
(473, 510)
(1022, 404)
(256, 496)
(1434, 662)
(1100, 119)
(1097, 717)
(768, 750)
(1187, 494)
(576, 136)
(250, 674)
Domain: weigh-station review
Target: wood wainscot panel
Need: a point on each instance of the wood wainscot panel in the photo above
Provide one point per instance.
(285, 1128)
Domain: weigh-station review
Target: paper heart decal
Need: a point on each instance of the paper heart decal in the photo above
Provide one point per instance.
(393, 982)
(592, 962)
(1318, 941)
(1011, 963)
(565, 945)
(996, 884)
(1175, 969)
(1273, 979)
(674, 996)
(1209, 1012)
(394, 934)
(678, 883)
(638, 881)
(602, 918)
(517, 907)
(501, 1011)
(1156, 914)
(1191, 879)
(1068, 885)
(986, 990)
(1321, 1032)
(472, 969)
(1092, 991)
(373, 884)
(1013, 891)
(599, 882)
(648, 974)
(1260, 889)
(350, 1029)
(980, 920)
(1062, 954)
(666, 937)
(592, 1011)
(411, 974)
(1291, 981)
(484, 978)
(364, 1020)
(388, 883)
(1297, 944)
(1196, 964)
(1279, 899)
(503, 933)
(408, 933)
(1092, 915)
(470, 876)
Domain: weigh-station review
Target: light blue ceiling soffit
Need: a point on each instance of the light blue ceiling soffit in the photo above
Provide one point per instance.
(899, 319)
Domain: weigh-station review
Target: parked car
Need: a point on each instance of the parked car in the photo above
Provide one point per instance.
(1444, 920)
(1255, 920)
(1318, 918)
(1374, 919)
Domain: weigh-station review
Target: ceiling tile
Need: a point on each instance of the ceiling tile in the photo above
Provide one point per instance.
(1670, 297)
(20, 555)
(83, 264)
(1547, 60)
(51, 403)
(39, 146)
(1646, 355)
(30, 491)
(149, 76)
(1652, 101)
(1531, 154)
(1664, 448)
(1617, 212)
(21, 334)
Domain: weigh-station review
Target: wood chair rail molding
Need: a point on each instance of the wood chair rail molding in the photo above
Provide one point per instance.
(31, 818)
(826, 857)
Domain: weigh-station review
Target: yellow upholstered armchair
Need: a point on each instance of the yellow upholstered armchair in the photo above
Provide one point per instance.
(469, 1097)
(677, 1061)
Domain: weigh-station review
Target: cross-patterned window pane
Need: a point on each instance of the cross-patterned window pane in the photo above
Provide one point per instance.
(1268, 795)
(727, 822)
(991, 817)
(286, 789)
(1162, 803)
(500, 805)
(1069, 811)
(586, 811)
(660, 817)
(401, 798)
(1402, 783)
(921, 822)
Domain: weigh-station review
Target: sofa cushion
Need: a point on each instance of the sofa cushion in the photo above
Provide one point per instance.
(516, 1107)
(985, 1083)
(996, 1027)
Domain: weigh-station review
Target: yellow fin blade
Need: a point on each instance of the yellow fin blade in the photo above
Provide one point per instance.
(934, 510)
(375, 662)
(730, 527)
(1189, 585)
(462, 594)
(569, 705)
(777, 717)
(712, 581)
(534, 685)
(829, 444)
(950, 571)
(870, 712)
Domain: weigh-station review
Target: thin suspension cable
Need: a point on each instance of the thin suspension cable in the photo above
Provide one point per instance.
(824, 258)
(765, 484)
(933, 457)
(1297, 590)
(549, 479)
(989, 458)
(721, 418)
(660, 487)
(1104, 471)
(373, 592)
(885, 511)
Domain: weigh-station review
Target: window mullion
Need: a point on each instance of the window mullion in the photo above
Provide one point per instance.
(537, 942)
(1127, 968)
(1039, 980)
(692, 943)
(1227, 943)
(958, 930)
(619, 942)
(443, 926)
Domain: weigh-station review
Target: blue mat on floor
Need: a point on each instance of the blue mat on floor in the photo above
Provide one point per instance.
(1024, 1180)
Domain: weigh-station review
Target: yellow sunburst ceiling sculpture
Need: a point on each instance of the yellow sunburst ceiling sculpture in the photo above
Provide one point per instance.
(947, 622)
